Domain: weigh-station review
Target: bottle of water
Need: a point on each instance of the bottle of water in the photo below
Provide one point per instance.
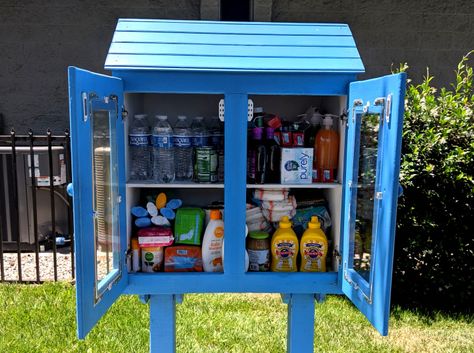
(163, 154)
(183, 149)
(139, 143)
(216, 131)
(200, 133)
(200, 139)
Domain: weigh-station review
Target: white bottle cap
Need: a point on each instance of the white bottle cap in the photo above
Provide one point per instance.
(140, 116)
(181, 117)
(162, 117)
(199, 118)
(327, 120)
(316, 118)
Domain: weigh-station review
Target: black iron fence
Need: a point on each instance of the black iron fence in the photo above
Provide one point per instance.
(36, 227)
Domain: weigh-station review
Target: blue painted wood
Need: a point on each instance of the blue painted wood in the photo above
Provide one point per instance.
(300, 337)
(237, 46)
(88, 311)
(230, 27)
(375, 303)
(235, 51)
(162, 324)
(274, 282)
(219, 82)
(228, 63)
(235, 174)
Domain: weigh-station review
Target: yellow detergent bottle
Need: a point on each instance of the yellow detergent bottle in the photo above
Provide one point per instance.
(314, 248)
(284, 247)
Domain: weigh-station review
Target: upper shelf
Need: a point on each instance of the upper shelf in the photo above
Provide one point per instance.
(192, 185)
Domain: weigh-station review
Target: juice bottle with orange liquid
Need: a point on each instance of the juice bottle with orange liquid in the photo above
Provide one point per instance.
(326, 152)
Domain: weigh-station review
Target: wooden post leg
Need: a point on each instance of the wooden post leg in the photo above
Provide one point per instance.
(162, 323)
(300, 323)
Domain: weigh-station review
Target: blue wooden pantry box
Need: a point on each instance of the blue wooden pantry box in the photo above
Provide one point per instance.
(194, 67)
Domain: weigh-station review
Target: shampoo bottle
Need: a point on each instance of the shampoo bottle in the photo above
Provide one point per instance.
(314, 248)
(212, 243)
(284, 247)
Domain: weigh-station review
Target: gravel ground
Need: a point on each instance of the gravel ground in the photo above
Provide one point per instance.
(46, 265)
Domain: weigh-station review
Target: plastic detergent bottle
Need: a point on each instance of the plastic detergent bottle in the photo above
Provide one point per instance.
(284, 247)
(326, 150)
(314, 248)
(212, 243)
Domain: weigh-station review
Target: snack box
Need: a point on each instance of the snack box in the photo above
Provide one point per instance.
(154, 236)
(296, 165)
(183, 258)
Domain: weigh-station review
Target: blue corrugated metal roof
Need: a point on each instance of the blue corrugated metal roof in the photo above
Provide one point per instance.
(233, 46)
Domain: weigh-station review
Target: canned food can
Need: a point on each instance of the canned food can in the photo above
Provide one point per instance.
(206, 165)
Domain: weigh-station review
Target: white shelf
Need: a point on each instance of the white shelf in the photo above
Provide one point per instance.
(192, 185)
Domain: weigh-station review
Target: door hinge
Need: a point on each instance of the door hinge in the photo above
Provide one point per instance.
(249, 109)
(379, 195)
(388, 108)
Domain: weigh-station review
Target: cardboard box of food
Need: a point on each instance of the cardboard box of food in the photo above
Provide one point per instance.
(296, 165)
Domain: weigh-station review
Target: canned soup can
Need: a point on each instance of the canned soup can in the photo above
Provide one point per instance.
(206, 165)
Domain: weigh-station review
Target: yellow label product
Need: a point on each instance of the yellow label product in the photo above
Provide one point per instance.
(284, 247)
(314, 248)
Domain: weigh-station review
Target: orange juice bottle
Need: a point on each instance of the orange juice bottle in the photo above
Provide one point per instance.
(326, 151)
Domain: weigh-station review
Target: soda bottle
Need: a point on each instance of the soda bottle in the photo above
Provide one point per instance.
(163, 154)
(272, 172)
(256, 158)
(139, 142)
(326, 150)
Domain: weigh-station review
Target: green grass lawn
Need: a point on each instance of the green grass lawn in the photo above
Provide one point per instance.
(41, 318)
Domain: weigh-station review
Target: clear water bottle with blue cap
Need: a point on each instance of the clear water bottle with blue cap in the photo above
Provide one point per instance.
(183, 149)
(139, 143)
(163, 152)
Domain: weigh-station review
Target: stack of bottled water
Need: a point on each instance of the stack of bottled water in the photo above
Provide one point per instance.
(183, 149)
(163, 151)
(168, 154)
(139, 148)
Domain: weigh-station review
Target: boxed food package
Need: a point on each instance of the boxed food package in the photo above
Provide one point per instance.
(155, 237)
(189, 225)
(183, 258)
(296, 165)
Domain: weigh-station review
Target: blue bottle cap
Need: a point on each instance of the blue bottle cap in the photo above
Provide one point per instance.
(139, 211)
(174, 204)
(167, 212)
(143, 222)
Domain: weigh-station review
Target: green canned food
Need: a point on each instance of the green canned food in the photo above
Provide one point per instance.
(206, 165)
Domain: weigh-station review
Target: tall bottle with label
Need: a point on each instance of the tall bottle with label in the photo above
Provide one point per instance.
(256, 158)
(163, 153)
(284, 247)
(183, 149)
(139, 142)
(216, 133)
(272, 172)
(314, 248)
(212, 243)
(200, 139)
(326, 148)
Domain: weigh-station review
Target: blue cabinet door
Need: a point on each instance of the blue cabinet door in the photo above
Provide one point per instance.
(98, 169)
(372, 164)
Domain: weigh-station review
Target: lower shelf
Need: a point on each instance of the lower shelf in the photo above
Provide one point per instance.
(202, 282)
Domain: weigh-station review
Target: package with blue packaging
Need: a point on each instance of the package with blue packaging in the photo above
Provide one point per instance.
(296, 165)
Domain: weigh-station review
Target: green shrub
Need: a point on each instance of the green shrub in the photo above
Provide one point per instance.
(434, 246)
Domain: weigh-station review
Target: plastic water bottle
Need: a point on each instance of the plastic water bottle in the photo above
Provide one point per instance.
(200, 139)
(183, 149)
(163, 154)
(216, 131)
(139, 142)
